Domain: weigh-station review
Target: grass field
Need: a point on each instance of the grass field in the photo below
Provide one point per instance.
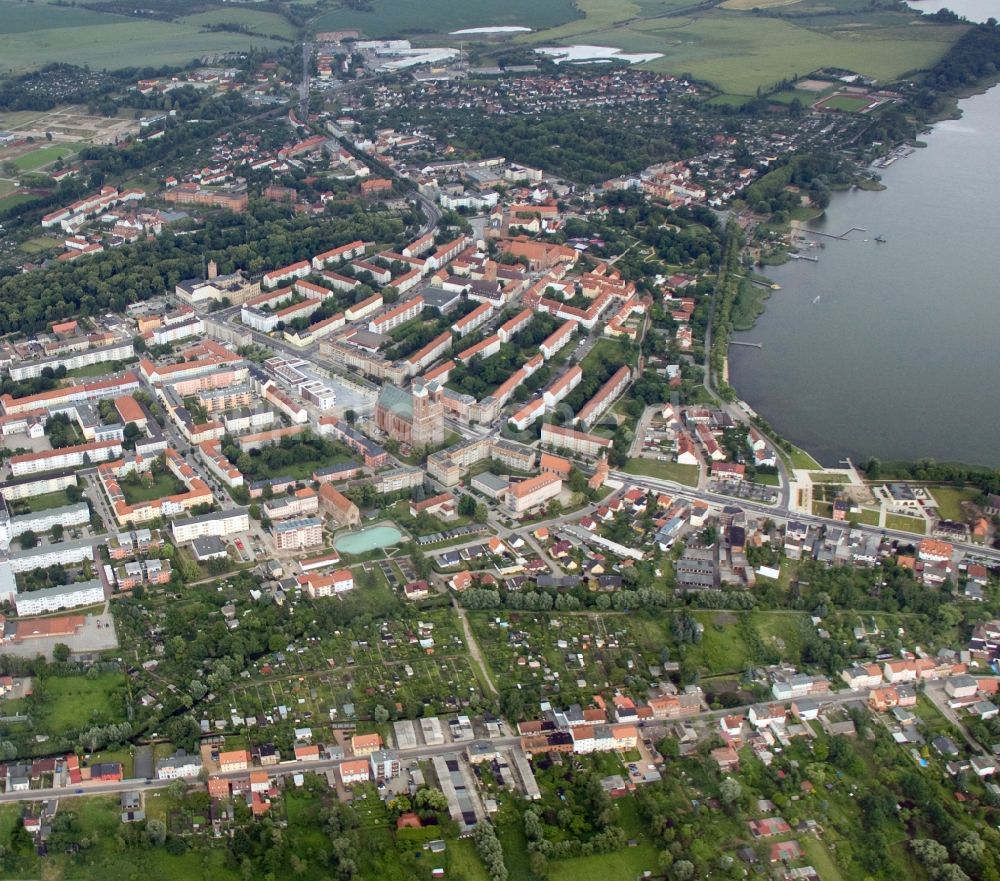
(45, 155)
(70, 703)
(15, 199)
(801, 459)
(38, 245)
(464, 862)
(846, 103)
(686, 474)
(36, 34)
(269, 24)
(390, 17)
(867, 516)
(623, 864)
(949, 500)
(789, 95)
(820, 859)
(720, 649)
(48, 500)
(902, 523)
(163, 484)
(93, 370)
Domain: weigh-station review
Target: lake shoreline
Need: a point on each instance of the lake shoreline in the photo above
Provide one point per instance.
(888, 440)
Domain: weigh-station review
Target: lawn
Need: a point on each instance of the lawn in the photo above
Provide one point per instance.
(686, 474)
(824, 477)
(101, 369)
(464, 862)
(140, 490)
(802, 460)
(867, 516)
(391, 17)
(820, 859)
(36, 34)
(48, 500)
(69, 703)
(949, 500)
(622, 865)
(902, 523)
(38, 244)
(44, 155)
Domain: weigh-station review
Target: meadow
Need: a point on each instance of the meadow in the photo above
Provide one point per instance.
(71, 703)
(37, 34)
(268, 24)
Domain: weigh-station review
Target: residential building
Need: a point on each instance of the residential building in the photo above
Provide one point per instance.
(179, 765)
(528, 494)
(293, 535)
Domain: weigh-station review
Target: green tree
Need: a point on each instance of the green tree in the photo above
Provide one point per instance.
(28, 540)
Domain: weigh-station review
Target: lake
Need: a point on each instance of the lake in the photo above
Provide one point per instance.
(890, 350)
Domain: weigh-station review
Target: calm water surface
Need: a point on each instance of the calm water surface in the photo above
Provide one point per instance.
(899, 357)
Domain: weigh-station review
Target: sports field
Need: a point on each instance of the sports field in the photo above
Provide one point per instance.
(846, 103)
(32, 35)
(46, 154)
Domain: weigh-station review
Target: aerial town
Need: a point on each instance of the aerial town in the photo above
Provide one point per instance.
(393, 516)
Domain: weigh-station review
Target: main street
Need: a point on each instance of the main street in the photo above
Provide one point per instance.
(785, 514)
(420, 753)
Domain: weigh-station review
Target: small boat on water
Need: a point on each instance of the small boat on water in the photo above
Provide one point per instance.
(880, 239)
(816, 300)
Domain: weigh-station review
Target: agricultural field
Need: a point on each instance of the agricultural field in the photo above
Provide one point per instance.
(267, 24)
(36, 34)
(738, 52)
(400, 17)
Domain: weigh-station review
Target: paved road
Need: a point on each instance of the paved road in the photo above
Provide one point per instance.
(783, 513)
(405, 755)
